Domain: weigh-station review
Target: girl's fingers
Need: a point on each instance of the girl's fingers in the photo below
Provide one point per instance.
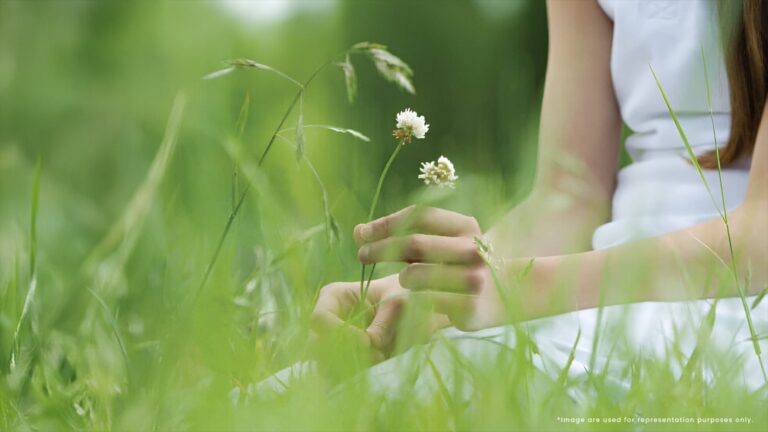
(439, 277)
(421, 248)
(457, 307)
(382, 329)
(437, 322)
(337, 300)
(325, 324)
(424, 219)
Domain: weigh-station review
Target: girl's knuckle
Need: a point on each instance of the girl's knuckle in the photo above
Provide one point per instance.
(415, 246)
(318, 317)
(471, 252)
(475, 280)
(383, 226)
(332, 288)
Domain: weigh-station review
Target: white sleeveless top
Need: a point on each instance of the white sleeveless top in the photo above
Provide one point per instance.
(661, 191)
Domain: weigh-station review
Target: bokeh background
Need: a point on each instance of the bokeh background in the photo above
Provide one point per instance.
(87, 88)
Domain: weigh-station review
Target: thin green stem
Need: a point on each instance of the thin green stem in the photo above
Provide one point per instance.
(714, 138)
(280, 126)
(33, 221)
(742, 295)
(222, 238)
(293, 104)
(30, 297)
(370, 278)
(381, 181)
(363, 285)
(744, 304)
(376, 195)
(288, 77)
(692, 156)
(323, 190)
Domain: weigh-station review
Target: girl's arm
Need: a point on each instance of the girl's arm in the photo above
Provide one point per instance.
(578, 140)
(703, 261)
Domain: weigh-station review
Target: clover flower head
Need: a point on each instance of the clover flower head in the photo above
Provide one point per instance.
(410, 125)
(440, 173)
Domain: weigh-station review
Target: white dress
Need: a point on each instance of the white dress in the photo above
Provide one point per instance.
(658, 193)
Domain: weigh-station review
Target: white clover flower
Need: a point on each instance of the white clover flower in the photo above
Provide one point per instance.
(440, 173)
(410, 125)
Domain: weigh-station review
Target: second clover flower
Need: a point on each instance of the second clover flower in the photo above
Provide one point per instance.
(440, 173)
(410, 125)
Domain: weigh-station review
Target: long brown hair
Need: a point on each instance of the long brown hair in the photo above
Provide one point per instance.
(745, 28)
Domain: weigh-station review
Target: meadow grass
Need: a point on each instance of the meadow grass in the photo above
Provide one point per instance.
(159, 333)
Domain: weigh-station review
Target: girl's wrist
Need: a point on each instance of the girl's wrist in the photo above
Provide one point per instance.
(553, 285)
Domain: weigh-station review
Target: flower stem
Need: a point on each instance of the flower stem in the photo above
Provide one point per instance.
(376, 195)
(381, 182)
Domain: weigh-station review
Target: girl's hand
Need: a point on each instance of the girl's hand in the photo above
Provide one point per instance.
(445, 265)
(385, 302)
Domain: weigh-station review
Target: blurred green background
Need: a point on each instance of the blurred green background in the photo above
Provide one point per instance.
(87, 87)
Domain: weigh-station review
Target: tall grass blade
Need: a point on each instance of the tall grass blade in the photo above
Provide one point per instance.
(737, 280)
(598, 331)
(279, 127)
(759, 297)
(121, 238)
(714, 137)
(724, 212)
(350, 78)
(112, 323)
(219, 73)
(250, 64)
(242, 120)
(33, 221)
(571, 357)
(692, 156)
(242, 117)
(219, 244)
(357, 134)
(30, 297)
(300, 129)
(331, 227)
(352, 132)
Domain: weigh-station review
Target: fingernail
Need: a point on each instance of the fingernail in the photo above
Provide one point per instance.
(362, 254)
(366, 232)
